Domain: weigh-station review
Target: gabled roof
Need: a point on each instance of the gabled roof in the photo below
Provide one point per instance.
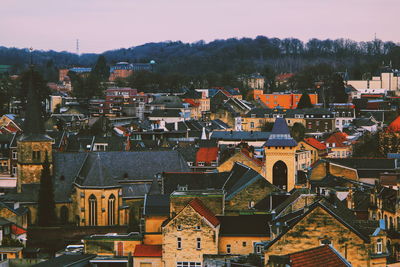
(317, 257)
(335, 208)
(280, 135)
(201, 209)
(315, 143)
(148, 251)
(338, 138)
(245, 225)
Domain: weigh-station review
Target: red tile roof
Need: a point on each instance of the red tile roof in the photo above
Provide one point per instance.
(317, 257)
(283, 77)
(148, 251)
(191, 102)
(338, 139)
(199, 207)
(315, 143)
(16, 230)
(394, 126)
(207, 154)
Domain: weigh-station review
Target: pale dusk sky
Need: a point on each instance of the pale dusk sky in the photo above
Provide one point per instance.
(104, 25)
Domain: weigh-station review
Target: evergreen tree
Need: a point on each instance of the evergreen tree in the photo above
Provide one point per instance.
(304, 102)
(336, 89)
(101, 70)
(298, 131)
(46, 204)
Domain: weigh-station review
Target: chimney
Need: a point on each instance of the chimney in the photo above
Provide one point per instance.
(327, 168)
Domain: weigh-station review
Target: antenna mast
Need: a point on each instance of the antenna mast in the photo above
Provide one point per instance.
(77, 47)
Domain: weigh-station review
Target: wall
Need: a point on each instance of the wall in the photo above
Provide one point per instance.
(236, 243)
(285, 154)
(319, 225)
(188, 219)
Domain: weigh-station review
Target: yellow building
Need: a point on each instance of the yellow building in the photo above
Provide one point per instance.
(360, 245)
(280, 161)
(193, 232)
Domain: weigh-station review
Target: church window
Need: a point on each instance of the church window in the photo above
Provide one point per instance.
(111, 210)
(92, 210)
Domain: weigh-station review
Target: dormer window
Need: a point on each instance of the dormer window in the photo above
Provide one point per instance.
(182, 187)
(379, 246)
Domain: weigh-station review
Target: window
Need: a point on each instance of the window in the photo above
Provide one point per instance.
(3, 256)
(201, 164)
(188, 264)
(251, 124)
(92, 210)
(14, 170)
(251, 204)
(14, 155)
(228, 249)
(198, 227)
(179, 227)
(111, 210)
(379, 246)
(35, 155)
(179, 243)
(198, 243)
(259, 249)
(244, 244)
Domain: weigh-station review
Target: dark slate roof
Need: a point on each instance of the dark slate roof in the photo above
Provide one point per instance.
(154, 187)
(366, 163)
(245, 225)
(188, 153)
(136, 190)
(280, 135)
(67, 260)
(240, 135)
(194, 181)
(66, 168)
(175, 113)
(240, 177)
(156, 205)
(294, 195)
(336, 181)
(107, 168)
(95, 173)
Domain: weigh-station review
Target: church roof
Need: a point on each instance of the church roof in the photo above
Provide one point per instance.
(102, 169)
(280, 135)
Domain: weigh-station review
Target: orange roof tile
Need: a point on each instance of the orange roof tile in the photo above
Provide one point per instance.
(199, 207)
(394, 126)
(207, 154)
(317, 257)
(191, 102)
(315, 143)
(148, 251)
(337, 138)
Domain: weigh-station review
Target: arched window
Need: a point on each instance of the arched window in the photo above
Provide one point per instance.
(111, 210)
(279, 175)
(386, 222)
(92, 210)
(64, 215)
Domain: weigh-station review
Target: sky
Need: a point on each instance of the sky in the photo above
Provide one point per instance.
(102, 25)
